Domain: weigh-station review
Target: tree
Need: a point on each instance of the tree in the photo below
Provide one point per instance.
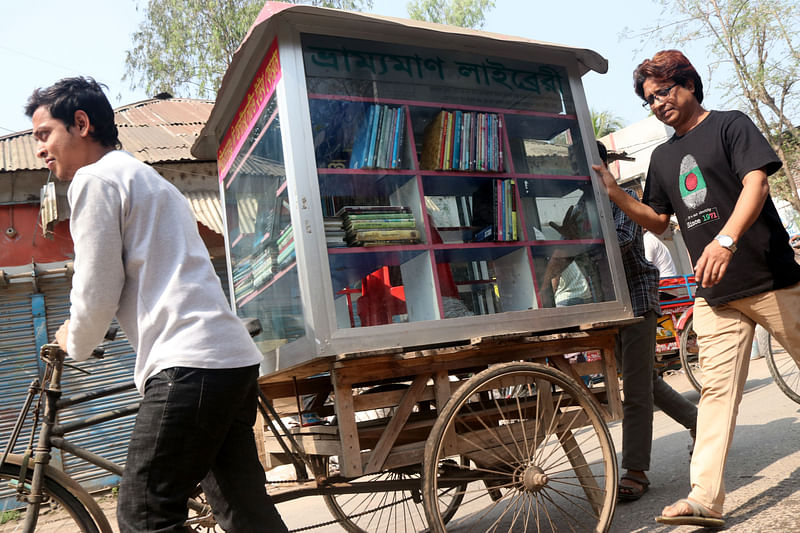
(183, 47)
(604, 122)
(464, 13)
(759, 45)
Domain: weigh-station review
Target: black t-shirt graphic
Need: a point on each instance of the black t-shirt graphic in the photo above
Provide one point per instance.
(698, 177)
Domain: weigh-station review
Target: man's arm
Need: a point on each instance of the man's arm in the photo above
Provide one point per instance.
(713, 263)
(99, 276)
(642, 214)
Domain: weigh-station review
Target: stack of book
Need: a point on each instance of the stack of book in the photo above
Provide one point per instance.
(379, 141)
(379, 225)
(243, 279)
(495, 211)
(334, 232)
(265, 265)
(463, 140)
(285, 244)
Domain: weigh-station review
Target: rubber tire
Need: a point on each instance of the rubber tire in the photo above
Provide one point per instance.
(689, 359)
(81, 519)
(790, 387)
(478, 386)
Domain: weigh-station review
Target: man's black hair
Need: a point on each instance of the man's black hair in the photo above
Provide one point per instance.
(68, 95)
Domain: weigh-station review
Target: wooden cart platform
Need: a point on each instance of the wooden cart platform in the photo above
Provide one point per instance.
(465, 418)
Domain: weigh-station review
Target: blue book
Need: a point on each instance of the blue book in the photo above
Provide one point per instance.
(457, 140)
(398, 138)
(373, 136)
(361, 142)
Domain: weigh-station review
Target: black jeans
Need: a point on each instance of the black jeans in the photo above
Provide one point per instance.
(196, 426)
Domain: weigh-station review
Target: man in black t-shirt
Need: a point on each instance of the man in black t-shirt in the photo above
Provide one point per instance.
(712, 174)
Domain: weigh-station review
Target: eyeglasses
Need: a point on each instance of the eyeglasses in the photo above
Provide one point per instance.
(659, 95)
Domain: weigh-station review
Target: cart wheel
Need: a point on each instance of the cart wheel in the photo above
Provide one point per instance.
(689, 355)
(784, 371)
(540, 455)
(401, 510)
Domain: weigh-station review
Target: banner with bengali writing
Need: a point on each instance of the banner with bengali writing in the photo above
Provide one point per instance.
(392, 66)
(250, 109)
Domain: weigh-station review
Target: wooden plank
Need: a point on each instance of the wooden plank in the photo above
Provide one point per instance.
(286, 389)
(614, 411)
(443, 390)
(587, 480)
(307, 443)
(350, 453)
(396, 424)
(403, 455)
(300, 371)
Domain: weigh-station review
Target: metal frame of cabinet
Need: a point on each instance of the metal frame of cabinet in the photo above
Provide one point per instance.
(320, 329)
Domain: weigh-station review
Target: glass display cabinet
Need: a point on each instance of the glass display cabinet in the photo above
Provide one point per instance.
(389, 183)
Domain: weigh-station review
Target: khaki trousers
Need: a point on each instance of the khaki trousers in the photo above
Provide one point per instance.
(725, 336)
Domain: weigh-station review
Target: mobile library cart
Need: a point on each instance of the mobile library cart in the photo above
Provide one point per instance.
(410, 213)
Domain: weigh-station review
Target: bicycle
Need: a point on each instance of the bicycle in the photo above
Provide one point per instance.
(36, 483)
(782, 367)
(678, 322)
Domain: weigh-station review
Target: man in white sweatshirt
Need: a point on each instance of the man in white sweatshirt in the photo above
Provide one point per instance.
(139, 257)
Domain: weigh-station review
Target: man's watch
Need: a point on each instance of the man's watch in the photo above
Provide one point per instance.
(726, 241)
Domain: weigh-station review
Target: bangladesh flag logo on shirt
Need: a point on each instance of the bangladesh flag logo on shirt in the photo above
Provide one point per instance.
(692, 184)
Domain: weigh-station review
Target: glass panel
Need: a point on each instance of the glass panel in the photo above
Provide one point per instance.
(558, 210)
(572, 274)
(464, 167)
(265, 281)
(484, 280)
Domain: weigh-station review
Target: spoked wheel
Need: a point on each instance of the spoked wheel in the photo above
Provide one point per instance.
(61, 512)
(201, 517)
(540, 455)
(689, 355)
(784, 371)
(384, 511)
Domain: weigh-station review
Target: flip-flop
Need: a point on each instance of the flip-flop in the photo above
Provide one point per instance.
(699, 517)
(631, 494)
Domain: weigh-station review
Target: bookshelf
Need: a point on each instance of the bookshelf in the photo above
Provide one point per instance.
(433, 185)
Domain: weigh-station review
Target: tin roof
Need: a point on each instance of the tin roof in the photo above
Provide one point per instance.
(273, 14)
(154, 131)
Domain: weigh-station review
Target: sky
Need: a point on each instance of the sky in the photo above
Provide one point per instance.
(47, 40)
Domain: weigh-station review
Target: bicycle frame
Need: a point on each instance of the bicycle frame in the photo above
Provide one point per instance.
(52, 435)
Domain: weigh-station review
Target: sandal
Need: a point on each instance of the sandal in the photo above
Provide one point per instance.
(631, 494)
(699, 516)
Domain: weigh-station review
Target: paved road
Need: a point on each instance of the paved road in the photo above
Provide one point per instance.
(763, 475)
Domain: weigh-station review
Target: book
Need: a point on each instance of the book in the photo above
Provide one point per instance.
(456, 157)
(361, 142)
(431, 143)
(397, 146)
(443, 143)
(365, 209)
(381, 223)
(447, 156)
(381, 159)
(393, 242)
(383, 234)
(373, 137)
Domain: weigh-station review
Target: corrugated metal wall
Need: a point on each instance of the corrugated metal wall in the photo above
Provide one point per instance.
(18, 366)
(18, 357)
